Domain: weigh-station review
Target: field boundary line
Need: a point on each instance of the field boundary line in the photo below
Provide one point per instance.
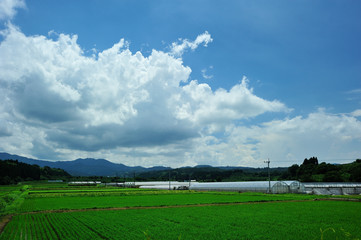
(339, 199)
(160, 206)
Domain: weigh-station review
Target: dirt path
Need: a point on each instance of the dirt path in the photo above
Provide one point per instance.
(4, 221)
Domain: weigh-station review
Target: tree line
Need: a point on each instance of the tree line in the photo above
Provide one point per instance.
(13, 171)
(309, 171)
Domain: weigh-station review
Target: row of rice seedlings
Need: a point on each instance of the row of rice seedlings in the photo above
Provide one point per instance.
(30, 231)
(100, 193)
(50, 226)
(63, 227)
(113, 224)
(97, 223)
(66, 227)
(273, 220)
(37, 229)
(27, 206)
(87, 231)
(12, 229)
(109, 200)
(18, 229)
(255, 221)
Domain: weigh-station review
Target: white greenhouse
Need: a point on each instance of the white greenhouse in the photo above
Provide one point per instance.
(333, 188)
(254, 186)
(172, 185)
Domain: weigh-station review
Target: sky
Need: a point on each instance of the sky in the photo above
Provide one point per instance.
(181, 83)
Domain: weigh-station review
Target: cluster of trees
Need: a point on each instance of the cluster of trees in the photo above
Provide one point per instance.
(211, 174)
(13, 171)
(311, 171)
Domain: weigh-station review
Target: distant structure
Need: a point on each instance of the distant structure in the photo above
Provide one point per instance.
(165, 185)
(318, 188)
(55, 181)
(253, 186)
(84, 183)
(332, 188)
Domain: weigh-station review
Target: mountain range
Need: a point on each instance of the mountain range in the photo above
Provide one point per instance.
(87, 166)
(103, 167)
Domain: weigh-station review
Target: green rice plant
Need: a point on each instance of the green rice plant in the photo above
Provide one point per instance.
(271, 220)
(331, 233)
(146, 199)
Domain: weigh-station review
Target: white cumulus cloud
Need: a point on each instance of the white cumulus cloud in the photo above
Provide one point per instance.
(204, 74)
(178, 49)
(59, 100)
(8, 8)
(330, 137)
(356, 113)
(218, 108)
(56, 102)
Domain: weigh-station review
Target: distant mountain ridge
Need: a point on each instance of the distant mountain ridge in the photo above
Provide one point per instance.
(86, 167)
(102, 167)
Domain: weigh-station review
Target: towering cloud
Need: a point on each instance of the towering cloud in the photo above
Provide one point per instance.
(57, 102)
(59, 99)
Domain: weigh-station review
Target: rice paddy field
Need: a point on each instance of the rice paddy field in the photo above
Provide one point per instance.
(49, 212)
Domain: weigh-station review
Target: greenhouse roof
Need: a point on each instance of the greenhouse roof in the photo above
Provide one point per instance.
(331, 184)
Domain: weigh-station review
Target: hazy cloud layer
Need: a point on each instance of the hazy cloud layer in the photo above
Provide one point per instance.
(58, 103)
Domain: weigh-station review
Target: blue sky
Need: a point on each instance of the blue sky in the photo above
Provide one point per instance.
(181, 83)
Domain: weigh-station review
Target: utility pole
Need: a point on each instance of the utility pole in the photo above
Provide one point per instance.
(134, 179)
(169, 179)
(269, 175)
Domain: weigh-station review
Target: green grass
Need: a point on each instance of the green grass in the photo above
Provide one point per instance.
(87, 191)
(5, 189)
(346, 196)
(271, 220)
(11, 198)
(148, 198)
(275, 220)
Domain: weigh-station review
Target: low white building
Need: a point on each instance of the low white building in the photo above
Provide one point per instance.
(253, 186)
(84, 183)
(171, 185)
(333, 188)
